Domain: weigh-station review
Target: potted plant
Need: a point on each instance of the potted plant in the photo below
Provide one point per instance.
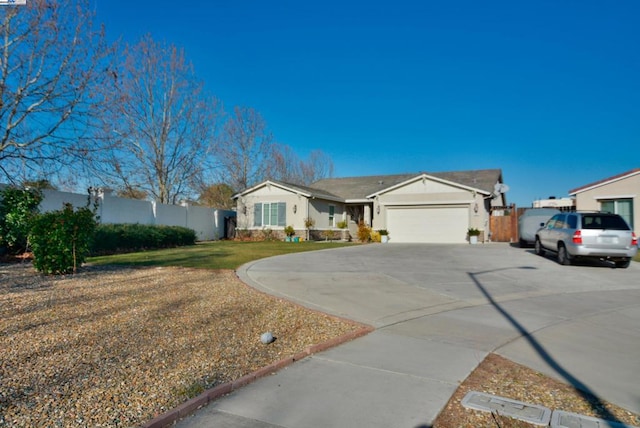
(289, 231)
(384, 235)
(473, 235)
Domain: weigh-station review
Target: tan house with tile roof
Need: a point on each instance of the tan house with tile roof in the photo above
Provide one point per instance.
(619, 194)
(420, 207)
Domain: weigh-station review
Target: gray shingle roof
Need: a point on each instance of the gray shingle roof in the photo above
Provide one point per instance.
(318, 193)
(361, 187)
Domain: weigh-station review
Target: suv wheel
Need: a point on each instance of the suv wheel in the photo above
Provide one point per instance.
(563, 256)
(538, 247)
(623, 263)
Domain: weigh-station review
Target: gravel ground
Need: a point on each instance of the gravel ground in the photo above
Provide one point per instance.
(117, 347)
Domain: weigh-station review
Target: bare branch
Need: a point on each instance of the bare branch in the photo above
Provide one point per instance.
(159, 123)
(50, 58)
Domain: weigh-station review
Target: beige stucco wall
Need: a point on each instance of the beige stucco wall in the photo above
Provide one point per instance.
(428, 192)
(319, 211)
(271, 194)
(624, 188)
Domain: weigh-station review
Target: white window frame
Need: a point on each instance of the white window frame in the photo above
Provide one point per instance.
(628, 217)
(332, 216)
(268, 214)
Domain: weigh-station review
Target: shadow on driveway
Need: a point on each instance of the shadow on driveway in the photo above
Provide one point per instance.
(594, 401)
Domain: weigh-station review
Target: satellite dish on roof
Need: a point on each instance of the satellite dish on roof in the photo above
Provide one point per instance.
(499, 189)
(502, 188)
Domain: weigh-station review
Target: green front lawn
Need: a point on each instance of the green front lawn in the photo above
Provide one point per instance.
(213, 255)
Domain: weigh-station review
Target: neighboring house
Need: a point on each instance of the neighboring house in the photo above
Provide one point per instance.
(619, 194)
(564, 204)
(422, 207)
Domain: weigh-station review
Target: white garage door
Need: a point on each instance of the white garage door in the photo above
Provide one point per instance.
(428, 224)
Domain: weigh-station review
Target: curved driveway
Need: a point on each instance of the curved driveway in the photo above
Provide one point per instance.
(438, 310)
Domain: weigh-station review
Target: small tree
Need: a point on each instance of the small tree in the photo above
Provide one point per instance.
(18, 207)
(61, 239)
(308, 224)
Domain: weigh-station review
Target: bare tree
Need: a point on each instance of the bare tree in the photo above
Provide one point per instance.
(244, 149)
(217, 196)
(318, 166)
(159, 124)
(285, 165)
(50, 58)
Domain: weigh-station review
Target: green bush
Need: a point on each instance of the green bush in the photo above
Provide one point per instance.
(18, 207)
(123, 238)
(60, 239)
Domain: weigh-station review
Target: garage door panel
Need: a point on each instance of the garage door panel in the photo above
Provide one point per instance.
(428, 224)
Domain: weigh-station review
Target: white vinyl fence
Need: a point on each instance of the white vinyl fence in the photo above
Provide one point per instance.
(208, 223)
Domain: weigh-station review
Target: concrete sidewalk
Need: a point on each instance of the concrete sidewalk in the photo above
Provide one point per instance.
(438, 311)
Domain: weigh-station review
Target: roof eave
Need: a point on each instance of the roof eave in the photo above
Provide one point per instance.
(604, 182)
(272, 183)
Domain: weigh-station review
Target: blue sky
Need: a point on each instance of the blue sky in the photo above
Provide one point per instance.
(548, 91)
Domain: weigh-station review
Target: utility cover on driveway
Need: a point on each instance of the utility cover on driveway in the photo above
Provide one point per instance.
(537, 415)
(562, 419)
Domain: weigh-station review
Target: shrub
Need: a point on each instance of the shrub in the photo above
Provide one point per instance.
(243, 234)
(473, 232)
(342, 224)
(329, 234)
(17, 210)
(61, 239)
(267, 234)
(309, 223)
(289, 231)
(364, 232)
(123, 238)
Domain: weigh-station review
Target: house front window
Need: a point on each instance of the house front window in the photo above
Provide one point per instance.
(622, 207)
(269, 214)
(332, 216)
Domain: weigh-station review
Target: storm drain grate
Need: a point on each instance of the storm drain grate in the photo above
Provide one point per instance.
(537, 415)
(561, 419)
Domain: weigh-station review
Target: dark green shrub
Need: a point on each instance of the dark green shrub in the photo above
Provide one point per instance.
(18, 207)
(60, 239)
(122, 238)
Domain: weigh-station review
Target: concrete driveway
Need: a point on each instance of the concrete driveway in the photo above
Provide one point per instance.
(438, 310)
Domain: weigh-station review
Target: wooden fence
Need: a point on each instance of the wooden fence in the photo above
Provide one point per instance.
(504, 224)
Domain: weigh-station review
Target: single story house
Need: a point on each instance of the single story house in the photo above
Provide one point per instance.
(421, 207)
(619, 194)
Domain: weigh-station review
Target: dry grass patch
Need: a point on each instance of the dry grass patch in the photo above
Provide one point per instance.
(116, 347)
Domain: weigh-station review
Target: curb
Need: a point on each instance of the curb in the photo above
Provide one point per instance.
(189, 407)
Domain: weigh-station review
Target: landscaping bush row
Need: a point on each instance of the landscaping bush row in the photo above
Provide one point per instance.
(121, 238)
(61, 240)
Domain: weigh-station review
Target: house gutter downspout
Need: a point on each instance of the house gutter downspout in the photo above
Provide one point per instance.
(305, 219)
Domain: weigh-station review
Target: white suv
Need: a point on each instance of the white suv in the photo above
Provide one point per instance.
(588, 235)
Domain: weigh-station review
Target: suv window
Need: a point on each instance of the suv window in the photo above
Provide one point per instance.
(561, 222)
(598, 221)
(554, 223)
(572, 220)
